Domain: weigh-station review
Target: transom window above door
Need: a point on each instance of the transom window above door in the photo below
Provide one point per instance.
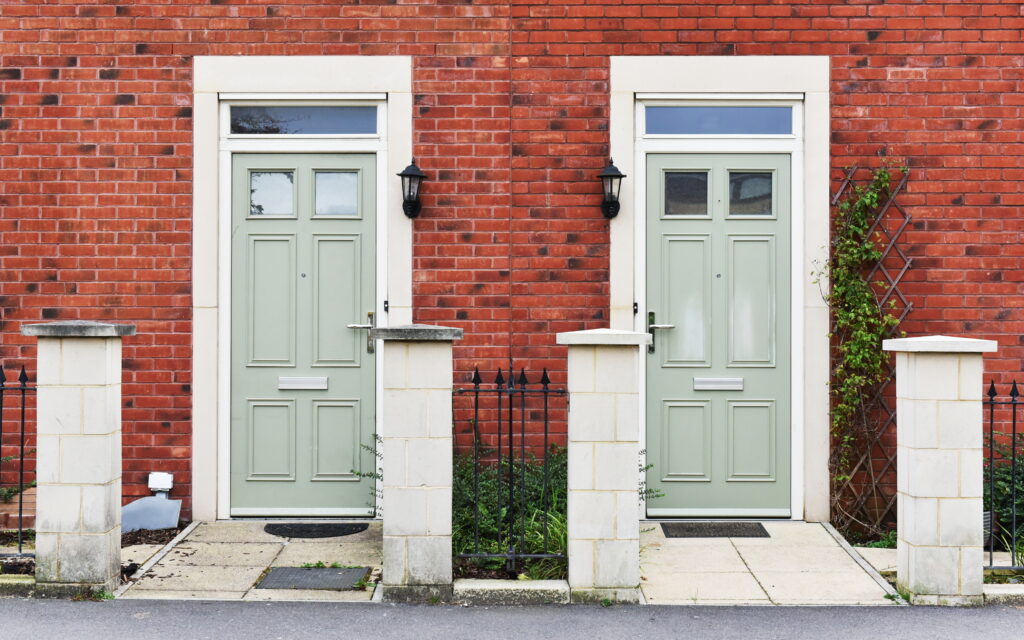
(304, 120)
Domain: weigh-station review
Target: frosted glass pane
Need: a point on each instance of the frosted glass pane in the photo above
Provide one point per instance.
(304, 120)
(750, 193)
(270, 193)
(719, 120)
(686, 193)
(336, 193)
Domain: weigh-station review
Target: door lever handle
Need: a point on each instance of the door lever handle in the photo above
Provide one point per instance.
(371, 323)
(651, 327)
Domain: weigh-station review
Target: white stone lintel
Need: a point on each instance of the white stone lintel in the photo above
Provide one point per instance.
(939, 344)
(604, 337)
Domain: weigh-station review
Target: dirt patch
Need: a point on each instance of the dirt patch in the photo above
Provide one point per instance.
(18, 566)
(8, 538)
(151, 536)
(468, 568)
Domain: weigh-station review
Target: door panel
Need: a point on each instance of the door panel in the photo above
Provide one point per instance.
(302, 382)
(718, 381)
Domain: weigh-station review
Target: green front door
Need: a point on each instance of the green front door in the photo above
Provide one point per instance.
(302, 381)
(718, 375)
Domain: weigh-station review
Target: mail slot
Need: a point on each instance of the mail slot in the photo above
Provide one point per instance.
(718, 384)
(315, 383)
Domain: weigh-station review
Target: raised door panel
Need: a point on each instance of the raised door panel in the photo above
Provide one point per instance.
(270, 292)
(337, 281)
(686, 300)
(751, 301)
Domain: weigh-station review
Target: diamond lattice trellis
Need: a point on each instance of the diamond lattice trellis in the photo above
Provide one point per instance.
(865, 502)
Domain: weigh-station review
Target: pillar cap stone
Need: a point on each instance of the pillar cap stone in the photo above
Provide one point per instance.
(606, 337)
(939, 344)
(78, 329)
(417, 333)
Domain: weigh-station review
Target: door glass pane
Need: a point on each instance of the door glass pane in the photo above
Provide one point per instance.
(271, 193)
(750, 193)
(303, 120)
(686, 193)
(719, 120)
(336, 193)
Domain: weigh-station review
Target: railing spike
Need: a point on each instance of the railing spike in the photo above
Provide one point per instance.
(1013, 391)
(992, 390)
(544, 379)
(522, 377)
(23, 377)
(476, 376)
(3, 378)
(500, 379)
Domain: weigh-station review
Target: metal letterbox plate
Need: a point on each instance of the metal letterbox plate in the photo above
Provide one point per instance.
(718, 384)
(317, 383)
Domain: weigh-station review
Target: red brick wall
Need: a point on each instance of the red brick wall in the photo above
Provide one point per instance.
(511, 123)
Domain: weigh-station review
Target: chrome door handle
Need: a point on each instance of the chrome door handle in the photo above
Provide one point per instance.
(371, 322)
(651, 327)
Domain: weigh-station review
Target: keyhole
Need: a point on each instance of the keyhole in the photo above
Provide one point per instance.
(717, 275)
(303, 275)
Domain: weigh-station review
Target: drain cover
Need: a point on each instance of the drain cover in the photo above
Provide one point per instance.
(315, 529)
(315, 578)
(714, 530)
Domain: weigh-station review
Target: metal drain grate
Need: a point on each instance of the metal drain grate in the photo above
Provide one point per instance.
(714, 530)
(313, 578)
(315, 529)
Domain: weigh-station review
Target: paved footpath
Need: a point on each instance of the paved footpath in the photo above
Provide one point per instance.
(176, 620)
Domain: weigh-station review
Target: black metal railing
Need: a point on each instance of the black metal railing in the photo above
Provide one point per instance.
(510, 493)
(12, 490)
(1004, 480)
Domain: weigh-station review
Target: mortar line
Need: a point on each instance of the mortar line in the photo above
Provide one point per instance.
(751, 571)
(270, 564)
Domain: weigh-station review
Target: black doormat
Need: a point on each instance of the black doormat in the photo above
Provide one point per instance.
(315, 529)
(313, 578)
(714, 530)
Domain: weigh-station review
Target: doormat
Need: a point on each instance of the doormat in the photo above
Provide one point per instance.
(315, 529)
(714, 530)
(324, 578)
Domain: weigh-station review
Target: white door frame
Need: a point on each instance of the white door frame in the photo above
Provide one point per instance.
(800, 81)
(219, 82)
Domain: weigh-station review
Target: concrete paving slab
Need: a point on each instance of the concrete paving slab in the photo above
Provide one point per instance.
(232, 532)
(693, 558)
(226, 554)
(308, 594)
(695, 588)
(806, 534)
(144, 594)
(139, 553)
(822, 587)
(883, 560)
(356, 554)
(779, 557)
(192, 578)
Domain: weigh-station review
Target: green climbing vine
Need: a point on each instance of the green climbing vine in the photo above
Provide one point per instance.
(859, 323)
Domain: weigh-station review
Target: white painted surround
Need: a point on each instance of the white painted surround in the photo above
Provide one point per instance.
(386, 80)
(799, 80)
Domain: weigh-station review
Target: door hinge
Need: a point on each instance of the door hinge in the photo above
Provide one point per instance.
(636, 308)
(385, 306)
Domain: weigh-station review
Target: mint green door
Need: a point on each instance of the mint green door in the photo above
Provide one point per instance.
(718, 297)
(302, 381)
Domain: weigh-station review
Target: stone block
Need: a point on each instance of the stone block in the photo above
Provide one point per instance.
(932, 472)
(934, 376)
(101, 410)
(406, 511)
(613, 469)
(917, 427)
(439, 511)
(429, 462)
(972, 573)
(47, 458)
(592, 417)
(627, 515)
(920, 524)
(511, 593)
(396, 567)
(960, 424)
(581, 369)
(590, 514)
(959, 522)
(101, 507)
(47, 362)
(47, 561)
(89, 558)
(439, 413)
(395, 365)
(430, 560)
(617, 563)
(933, 570)
(60, 410)
(581, 466)
(396, 461)
(430, 365)
(87, 459)
(90, 361)
(58, 508)
(972, 473)
(616, 370)
(406, 414)
(970, 380)
(627, 417)
(581, 562)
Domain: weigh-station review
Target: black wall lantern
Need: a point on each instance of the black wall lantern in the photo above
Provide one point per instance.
(411, 179)
(611, 182)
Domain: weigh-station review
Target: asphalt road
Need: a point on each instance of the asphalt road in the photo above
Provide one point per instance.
(176, 620)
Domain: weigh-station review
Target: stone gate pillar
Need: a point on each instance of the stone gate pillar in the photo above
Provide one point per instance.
(939, 468)
(416, 428)
(604, 464)
(78, 453)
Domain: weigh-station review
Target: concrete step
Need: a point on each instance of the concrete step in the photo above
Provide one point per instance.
(510, 592)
